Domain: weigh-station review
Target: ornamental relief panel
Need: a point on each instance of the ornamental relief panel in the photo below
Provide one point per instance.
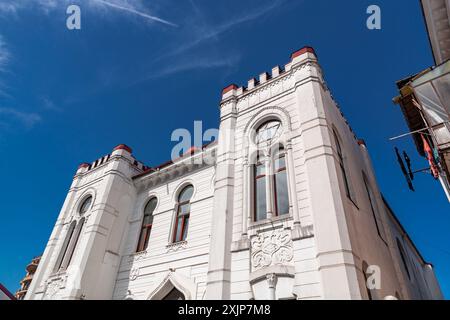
(54, 286)
(271, 248)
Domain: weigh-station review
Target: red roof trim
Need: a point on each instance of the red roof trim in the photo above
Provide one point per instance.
(83, 165)
(229, 88)
(302, 51)
(361, 142)
(123, 147)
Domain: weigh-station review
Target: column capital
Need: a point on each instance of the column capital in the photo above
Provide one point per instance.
(271, 280)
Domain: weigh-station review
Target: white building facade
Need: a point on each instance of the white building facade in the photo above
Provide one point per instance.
(285, 205)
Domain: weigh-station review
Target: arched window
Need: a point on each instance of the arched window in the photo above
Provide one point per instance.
(72, 236)
(280, 183)
(374, 209)
(73, 243)
(260, 211)
(403, 258)
(183, 213)
(342, 164)
(65, 245)
(270, 196)
(147, 223)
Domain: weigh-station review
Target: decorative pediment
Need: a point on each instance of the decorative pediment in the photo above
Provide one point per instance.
(167, 282)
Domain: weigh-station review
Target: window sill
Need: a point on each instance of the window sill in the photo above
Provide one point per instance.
(282, 218)
(57, 274)
(138, 253)
(135, 256)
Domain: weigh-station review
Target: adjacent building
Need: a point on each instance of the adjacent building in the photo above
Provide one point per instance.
(425, 97)
(26, 281)
(284, 205)
(5, 294)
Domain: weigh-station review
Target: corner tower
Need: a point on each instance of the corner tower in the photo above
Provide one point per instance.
(82, 255)
(278, 198)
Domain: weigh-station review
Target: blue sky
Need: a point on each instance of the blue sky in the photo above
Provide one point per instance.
(68, 97)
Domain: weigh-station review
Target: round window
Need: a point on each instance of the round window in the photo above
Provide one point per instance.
(268, 132)
(86, 205)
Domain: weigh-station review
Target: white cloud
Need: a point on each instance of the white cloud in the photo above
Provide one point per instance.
(4, 60)
(210, 32)
(14, 6)
(26, 119)
(4, 54)
(196, 64)
(11, 115)
(179, 57)
(49, 105)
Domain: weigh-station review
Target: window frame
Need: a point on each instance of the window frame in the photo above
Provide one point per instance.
(89, 198)
(255, 189)
(65, 246)
(184, 216)
(342, 165)
(146, 228)
(76, 236)
(281, 154)
(278, 132)
(374, 209)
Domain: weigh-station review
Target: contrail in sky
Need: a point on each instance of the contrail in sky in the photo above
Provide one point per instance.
(142, 14)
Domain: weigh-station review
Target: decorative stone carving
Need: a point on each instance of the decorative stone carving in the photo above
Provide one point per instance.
(271, 280)
(129, 295)
(53, 286)
(134, 273)
(272, 247)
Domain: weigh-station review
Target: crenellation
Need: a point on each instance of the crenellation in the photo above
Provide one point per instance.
(252, 83)
(299, 56)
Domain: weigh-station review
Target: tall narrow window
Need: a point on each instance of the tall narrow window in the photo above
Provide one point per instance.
(73, 234)
(73, 243)
(65, 246)
(183, 213)
(260, 205)
(374, 209)
(403, 258)
(342, 164)
(280, 183)
(147, 223)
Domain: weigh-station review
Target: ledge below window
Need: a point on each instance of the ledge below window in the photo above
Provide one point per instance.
(171, 247)
(271, 221)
